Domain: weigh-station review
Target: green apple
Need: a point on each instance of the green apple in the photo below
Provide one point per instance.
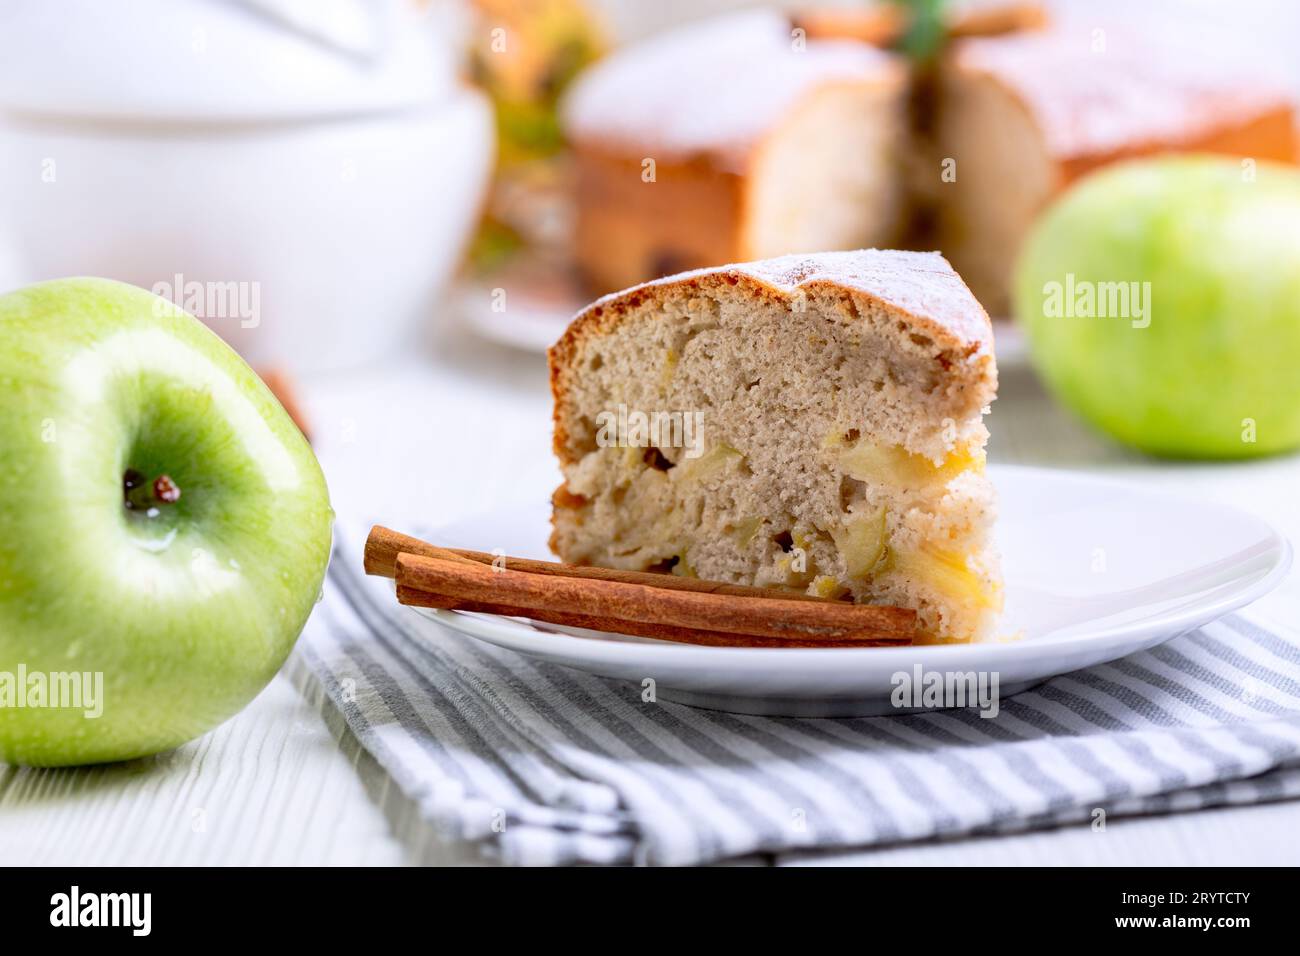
(1205, 360)
(164, 526)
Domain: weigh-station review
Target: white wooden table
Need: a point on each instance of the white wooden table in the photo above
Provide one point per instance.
(465, 428)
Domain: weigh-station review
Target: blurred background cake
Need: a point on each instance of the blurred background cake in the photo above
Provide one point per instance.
(767, 134)
(1025, 114)
(795, 146)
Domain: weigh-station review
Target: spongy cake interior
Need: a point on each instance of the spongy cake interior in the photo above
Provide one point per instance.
(825, 444)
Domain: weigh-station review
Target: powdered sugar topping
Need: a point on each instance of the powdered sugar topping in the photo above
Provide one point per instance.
(1095, 90)
(921, 284)
(714, 87)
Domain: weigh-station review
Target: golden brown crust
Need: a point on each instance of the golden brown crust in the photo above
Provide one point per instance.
(696, 212)
(1271, 134)
(1010, 17)
(919, 288)
(628, 230)
(880, 24)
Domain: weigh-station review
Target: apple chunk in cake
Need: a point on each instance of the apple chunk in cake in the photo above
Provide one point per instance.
(807, 422)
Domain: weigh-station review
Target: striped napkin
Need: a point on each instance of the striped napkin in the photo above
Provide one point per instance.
(532, 763)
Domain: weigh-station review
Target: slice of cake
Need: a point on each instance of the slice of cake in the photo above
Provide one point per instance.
(734, 138)
(811, 422)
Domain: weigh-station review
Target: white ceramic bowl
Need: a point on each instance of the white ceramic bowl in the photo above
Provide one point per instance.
(302, 176)
(341, 230)
(189, 61)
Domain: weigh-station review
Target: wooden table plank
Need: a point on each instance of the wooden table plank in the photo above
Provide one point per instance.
(273, 785)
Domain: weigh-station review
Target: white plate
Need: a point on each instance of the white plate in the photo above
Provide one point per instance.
(539, 311)
(1095, 569)
(528, 325)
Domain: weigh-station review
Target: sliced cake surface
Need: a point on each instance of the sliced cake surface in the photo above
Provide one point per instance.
(810, 422)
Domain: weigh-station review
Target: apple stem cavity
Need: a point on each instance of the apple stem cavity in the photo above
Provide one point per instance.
(140, 494)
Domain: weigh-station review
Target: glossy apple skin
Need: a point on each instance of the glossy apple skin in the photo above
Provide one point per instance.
(1222, 254)
(187, 614)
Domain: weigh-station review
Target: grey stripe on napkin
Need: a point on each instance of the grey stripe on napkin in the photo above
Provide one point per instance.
(534, 763)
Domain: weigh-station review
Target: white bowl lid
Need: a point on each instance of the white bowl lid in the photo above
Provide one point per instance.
(223, 60)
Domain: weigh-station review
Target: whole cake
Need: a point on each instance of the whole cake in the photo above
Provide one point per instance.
(772, 136)
(811, 422)
(685, 148)
(1023, 116)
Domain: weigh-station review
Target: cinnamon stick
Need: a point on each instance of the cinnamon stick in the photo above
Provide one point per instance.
(681, 635)
(610, 603)
(384, 545)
